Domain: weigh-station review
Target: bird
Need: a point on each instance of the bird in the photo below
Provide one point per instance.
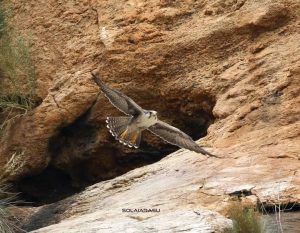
(128, 129)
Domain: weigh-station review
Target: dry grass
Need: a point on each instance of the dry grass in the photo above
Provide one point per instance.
(3, 25)
(17, 75)
(245, 220)
(7, 199)
(14, 165)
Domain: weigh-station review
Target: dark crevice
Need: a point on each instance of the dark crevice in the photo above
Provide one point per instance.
(50, 186)
(269, 208)
(84, 152)
(241, 193)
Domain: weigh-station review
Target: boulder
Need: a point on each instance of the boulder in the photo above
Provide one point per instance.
(226, 70)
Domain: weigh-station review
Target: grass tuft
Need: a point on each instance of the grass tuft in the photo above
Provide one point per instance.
(245, 220)
(2, 22)
(7, 199)
(17, 75)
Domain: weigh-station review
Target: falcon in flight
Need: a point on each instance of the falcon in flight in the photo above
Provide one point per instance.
(128, 129)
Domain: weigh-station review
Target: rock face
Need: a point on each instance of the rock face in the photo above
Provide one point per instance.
(232, 66)
(99, 207)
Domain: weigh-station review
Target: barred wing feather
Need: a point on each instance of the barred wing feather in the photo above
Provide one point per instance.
(176, 137)
(118, 99)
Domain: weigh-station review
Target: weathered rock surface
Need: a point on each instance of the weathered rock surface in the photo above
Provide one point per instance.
(202, 221)
(232, 63)
(181, 181)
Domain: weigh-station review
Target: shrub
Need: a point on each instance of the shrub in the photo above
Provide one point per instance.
(2, 22)
(17, 75)
(7, 199)
(245, 220)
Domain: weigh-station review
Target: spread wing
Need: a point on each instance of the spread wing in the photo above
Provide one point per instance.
(118, 99)
(176, 137)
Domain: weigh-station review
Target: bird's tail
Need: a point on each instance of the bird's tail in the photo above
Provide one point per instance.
(120, 129)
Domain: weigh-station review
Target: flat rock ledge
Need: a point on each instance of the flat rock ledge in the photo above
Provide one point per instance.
(200, 221)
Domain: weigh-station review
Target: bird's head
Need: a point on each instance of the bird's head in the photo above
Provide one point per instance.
(151, 114)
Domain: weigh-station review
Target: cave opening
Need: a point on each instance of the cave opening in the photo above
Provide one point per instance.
(84, 153)
(47, 187)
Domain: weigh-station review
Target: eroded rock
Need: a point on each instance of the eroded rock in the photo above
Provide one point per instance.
(232, 66)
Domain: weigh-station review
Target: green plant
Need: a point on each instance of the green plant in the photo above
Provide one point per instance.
(17, 75)
(7, 199)
(245, 219)
(2, 22)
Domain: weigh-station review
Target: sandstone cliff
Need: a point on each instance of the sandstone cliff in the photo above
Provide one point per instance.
(230, 69)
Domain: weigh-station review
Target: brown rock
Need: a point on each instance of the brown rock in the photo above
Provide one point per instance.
(230, 65)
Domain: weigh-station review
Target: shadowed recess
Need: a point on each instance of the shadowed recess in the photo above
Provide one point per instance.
(84, 152)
